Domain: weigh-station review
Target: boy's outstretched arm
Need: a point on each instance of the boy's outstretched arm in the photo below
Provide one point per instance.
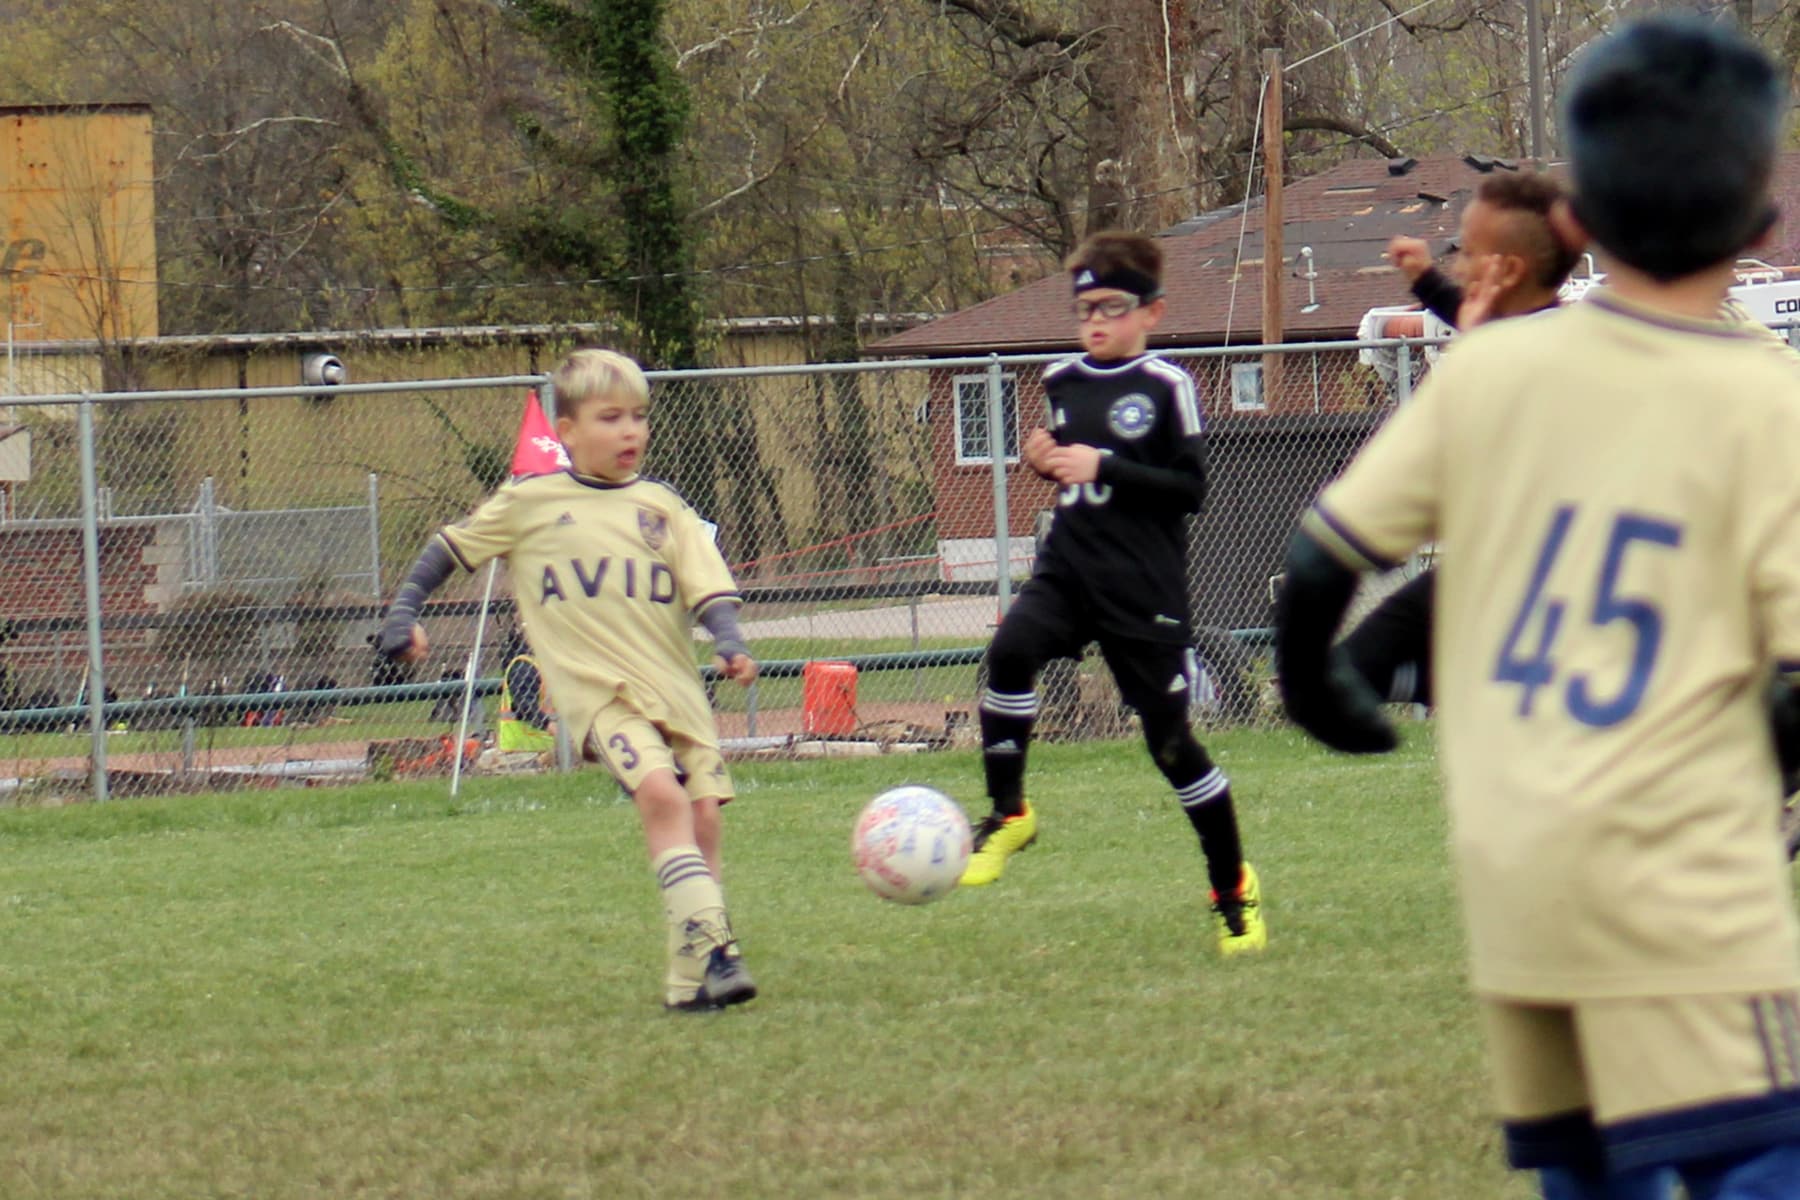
(1320, 691)
(1440, 295)
(397, 637)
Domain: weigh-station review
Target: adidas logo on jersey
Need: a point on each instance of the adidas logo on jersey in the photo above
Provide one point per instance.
(1165, 619)
(568, 518)
(1178, 684)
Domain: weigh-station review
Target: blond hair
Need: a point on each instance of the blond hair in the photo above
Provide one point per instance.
(592, 374)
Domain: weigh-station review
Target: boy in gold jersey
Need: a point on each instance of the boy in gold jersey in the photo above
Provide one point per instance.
(1618, 481)
(609, 566)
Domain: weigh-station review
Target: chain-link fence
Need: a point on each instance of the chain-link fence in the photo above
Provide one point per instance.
(192, 576)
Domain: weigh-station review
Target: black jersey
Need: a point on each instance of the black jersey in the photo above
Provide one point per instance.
(1120, 541)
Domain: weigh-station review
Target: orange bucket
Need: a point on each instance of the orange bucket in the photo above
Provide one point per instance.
(828, 698)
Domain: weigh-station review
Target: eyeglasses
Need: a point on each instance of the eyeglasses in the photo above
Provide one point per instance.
(1111, 308)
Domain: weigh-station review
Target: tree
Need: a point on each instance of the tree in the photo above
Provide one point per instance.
(616, 53)
(361, 163)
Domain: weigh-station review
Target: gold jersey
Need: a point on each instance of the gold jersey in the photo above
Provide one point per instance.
(608, 578)
(1621, 492)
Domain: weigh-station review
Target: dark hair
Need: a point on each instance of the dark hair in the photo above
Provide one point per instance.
(1530, 196)
(1118, 258)
(1672, 125)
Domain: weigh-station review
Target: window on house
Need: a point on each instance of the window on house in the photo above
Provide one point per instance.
(973, 444)
(1247, 388)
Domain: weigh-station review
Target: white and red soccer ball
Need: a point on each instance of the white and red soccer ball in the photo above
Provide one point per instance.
(911, 844)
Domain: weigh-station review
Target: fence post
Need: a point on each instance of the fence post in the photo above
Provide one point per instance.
(90, 578)
(996, 382)
(209, 534)
(375, 537)
(1403, 372)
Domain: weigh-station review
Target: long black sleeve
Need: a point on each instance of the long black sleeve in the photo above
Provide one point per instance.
(1319, 689)
(1442, 298)
(434, 566)
(1182, 486)
(721, 621)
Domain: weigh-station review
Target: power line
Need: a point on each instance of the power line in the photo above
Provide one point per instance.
(1379, 25)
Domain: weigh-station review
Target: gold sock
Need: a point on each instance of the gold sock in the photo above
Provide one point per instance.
(695, 908)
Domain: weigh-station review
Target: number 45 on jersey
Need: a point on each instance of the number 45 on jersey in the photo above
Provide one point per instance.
(1531, 665)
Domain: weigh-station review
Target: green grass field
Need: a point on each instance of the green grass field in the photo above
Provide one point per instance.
(358, 723)
(377, 991)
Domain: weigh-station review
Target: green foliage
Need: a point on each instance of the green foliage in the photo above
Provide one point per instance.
(459, 998)
(488, 463)
(616, 52)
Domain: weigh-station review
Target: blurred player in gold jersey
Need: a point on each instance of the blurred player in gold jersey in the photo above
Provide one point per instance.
(609, 568)
(1620, 483)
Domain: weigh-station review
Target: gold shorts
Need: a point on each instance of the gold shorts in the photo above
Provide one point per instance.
(631, 746)
(1656, 1079)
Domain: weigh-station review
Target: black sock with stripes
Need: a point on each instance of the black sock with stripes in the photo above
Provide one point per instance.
(1006, 721)
(1207, 803)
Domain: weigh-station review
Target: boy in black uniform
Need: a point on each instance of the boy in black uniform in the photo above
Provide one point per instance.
(1125, 445)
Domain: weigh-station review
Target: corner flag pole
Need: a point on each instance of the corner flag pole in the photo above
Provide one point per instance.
(536, 452)
(468, 696)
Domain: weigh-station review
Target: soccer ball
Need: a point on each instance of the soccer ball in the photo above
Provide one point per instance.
(911, 844)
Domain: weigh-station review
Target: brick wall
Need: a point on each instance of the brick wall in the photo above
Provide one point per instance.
(41, 578)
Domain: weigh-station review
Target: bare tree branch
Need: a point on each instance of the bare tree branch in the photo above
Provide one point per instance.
(323, 48)
(1417, 27)
(725, 39)
(1013, 23)
(1321, 122)
(754, 180)
(234, 136)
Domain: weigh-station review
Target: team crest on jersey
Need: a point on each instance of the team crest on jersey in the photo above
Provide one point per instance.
(655, 528)
(1131, 416)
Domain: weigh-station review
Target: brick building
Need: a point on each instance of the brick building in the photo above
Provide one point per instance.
(1277, 433)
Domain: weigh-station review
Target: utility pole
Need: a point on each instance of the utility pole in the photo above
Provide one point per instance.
(1273, 264)
(1534, 66)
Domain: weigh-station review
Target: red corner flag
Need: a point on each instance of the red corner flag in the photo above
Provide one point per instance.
(538, 452)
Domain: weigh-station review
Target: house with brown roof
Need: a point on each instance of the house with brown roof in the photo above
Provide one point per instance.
(1213, 263)
(1271, 447)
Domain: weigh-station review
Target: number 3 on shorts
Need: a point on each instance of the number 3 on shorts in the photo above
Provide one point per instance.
(1536, 668)
(621, 746)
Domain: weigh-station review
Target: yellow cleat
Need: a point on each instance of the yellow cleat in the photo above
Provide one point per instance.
(996, 840)
(1240, 919)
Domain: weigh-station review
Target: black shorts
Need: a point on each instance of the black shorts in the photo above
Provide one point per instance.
(1047, 622)
(1391, 647)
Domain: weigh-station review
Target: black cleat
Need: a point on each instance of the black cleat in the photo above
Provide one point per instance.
(727, 982)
